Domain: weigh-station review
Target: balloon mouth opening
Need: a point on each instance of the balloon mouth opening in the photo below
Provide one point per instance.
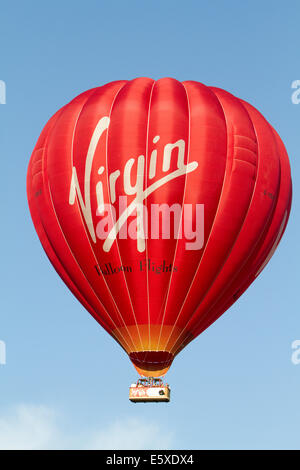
(151, 363)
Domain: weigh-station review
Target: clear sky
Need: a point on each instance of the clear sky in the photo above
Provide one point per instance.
(65, 382)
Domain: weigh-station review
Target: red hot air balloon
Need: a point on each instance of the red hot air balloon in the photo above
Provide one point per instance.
(158, 203)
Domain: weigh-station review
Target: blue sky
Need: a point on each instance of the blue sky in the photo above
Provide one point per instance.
(65, 383)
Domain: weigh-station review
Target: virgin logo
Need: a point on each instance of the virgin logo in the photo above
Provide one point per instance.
(114, 225)
(139, 392)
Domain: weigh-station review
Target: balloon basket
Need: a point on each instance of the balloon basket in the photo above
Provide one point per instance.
(149, 389)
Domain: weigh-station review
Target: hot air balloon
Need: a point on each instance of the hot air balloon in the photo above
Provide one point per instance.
(158, 203)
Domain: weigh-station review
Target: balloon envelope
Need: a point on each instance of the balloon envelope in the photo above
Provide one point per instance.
(158, 203)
